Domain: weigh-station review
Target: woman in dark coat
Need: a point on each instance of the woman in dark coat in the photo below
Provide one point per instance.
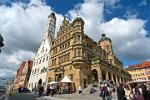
(121, 92)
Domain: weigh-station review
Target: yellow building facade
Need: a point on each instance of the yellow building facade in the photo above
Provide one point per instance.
(140, 71)
(83, 60)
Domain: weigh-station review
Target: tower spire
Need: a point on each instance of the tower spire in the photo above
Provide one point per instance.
(50, 31)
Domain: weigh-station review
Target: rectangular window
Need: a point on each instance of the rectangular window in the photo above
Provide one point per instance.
(74, 52)
(43, 59)
(54, 62)
(78, 52)
(32, 72)
(40, 61)
(59, 60)
(75, 39)
(35, 71)
(78, 38)
(38, 70)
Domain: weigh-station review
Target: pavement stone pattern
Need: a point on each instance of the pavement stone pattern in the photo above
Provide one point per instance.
(75, 97)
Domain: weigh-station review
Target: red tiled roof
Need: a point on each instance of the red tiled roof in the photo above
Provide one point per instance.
(138, 66)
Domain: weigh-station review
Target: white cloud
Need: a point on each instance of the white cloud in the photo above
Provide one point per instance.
(92, 13)
(128, 38)
(23, 26)
(143, 3)
(7, 73)
(111, 3)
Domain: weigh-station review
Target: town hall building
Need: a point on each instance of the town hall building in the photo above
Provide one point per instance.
(82, 59)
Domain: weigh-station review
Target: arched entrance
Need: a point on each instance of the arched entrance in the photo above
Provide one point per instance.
(40, 82)
(103, 75)
(95, 75)
(58, 77)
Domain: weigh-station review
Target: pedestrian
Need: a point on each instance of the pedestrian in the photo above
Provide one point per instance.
(19, 89)
(113, 90)
(41, 90)
(137, 95)
(52, 89)
(102, 93)
(80, 90)
(107, 93)
(121, 92)
(58, 88)
(146, 93)
(48, 90)
(127, 92)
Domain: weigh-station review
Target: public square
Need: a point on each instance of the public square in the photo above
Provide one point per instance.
(75, 96)
(74, 50)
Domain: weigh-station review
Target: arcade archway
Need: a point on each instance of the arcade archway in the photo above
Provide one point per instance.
(95, 75)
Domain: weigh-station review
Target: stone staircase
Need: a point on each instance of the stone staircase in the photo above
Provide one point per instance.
(88, 88)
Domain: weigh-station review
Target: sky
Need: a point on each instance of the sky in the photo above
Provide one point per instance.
(23, 23)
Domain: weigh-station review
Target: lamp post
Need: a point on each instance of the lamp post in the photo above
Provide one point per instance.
(1, 42)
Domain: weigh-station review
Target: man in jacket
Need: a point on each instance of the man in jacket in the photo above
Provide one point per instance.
(121, 92)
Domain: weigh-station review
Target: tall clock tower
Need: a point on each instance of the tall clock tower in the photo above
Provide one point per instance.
(41, 60)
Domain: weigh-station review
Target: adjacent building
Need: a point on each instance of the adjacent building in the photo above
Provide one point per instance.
(23, 74)
(140, 71)
(42, 57)
(76, 55)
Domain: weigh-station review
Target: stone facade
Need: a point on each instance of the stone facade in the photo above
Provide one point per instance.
(23, 74)
(42, 57)
(76, 55)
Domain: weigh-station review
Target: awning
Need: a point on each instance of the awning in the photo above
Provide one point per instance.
(53, 82)
(138, 81)
(66, 80)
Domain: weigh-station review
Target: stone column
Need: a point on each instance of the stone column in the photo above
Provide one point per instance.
(100, 79)
(117, 82)
(107, 77)
(121, 79)
(112, 78)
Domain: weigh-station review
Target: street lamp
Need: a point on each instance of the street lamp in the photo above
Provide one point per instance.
(1, 42)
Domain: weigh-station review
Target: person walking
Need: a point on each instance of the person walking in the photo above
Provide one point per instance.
(145, 92)
(121, 92)
(48, 90)
(137, 95)
(41, 90)
(80, 90)
(127, 92)
(52, 89)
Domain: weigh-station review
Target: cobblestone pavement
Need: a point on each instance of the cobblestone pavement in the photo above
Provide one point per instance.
(75, 97)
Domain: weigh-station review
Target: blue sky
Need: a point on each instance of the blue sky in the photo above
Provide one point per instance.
(126, 22)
